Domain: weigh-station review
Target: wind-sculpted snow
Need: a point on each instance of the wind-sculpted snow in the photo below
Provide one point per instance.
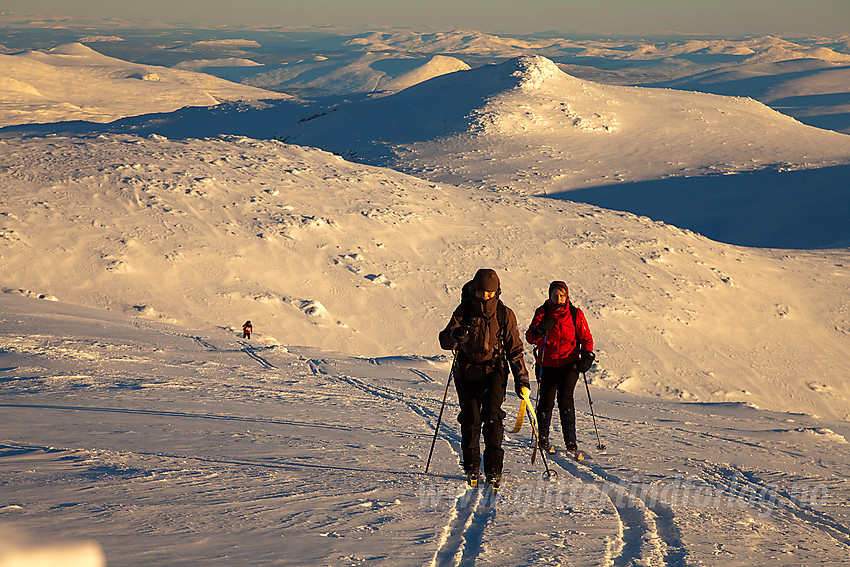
(527, 127)
(318, 251)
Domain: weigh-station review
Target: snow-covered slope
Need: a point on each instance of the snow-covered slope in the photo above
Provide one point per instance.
(814, 90)
(317, 251)
(149, 433)
(150, 444)
(477, 127)
(74, 82)
(526, 127)
(375, 73)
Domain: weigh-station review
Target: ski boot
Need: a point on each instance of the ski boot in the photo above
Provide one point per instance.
(545, 447)
(572, 449)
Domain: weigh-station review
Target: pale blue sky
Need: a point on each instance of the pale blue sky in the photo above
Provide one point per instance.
(720, 17)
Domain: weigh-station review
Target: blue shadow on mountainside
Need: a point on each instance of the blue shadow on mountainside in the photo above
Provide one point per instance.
(770, 208)
(259, 119)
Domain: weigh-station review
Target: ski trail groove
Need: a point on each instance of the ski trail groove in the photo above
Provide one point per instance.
(246, 348)
(485, 511)
(250, 351)
(422, 375)
(463, 536)
(451, 436)
(649, 535)
(450, 549)
(382, 392)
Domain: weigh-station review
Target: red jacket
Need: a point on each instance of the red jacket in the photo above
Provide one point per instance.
(565, 340)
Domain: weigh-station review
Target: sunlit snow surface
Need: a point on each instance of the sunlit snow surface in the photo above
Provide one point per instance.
(166, 445)
(140, 428)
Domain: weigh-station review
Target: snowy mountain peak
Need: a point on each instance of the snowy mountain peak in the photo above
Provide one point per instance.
(73, 49)
(534, 71)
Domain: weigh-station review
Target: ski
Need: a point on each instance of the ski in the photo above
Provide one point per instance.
(576, 454)
(519, 418)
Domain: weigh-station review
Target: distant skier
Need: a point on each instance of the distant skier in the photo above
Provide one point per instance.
(247, 328)
(484, 332)
(564, 348)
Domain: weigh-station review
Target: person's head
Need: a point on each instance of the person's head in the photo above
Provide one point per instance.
(559, 294)
(485, 284)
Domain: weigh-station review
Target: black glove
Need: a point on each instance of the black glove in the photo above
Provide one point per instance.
(460, 335)
(521, 382)
(586, 360)
(543, 327)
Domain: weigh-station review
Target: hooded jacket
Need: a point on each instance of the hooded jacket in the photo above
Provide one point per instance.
(484, 345)
(564, 341)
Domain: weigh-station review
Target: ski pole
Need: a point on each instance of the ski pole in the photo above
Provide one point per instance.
(599, 445)
(442, 407)
(531, 418)
(539, 372)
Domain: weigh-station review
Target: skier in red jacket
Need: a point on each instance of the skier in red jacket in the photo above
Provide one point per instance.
(564, 348)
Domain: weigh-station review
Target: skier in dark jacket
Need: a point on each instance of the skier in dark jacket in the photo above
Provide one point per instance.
(564, 348)
(486, 338)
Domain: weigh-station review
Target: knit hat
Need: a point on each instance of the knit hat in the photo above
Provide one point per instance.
(486, 280)
(558, 284)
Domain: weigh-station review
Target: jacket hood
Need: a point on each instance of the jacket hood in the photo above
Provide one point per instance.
(486, 280)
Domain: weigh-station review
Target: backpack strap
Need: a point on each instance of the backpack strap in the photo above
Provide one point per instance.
(502, 319)
(574, 313)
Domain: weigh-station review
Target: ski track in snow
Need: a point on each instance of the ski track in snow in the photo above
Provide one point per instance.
(169, 427)
(252, 352)
(247, 348)
(389, 394)
(649, 535)
(463, 535)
